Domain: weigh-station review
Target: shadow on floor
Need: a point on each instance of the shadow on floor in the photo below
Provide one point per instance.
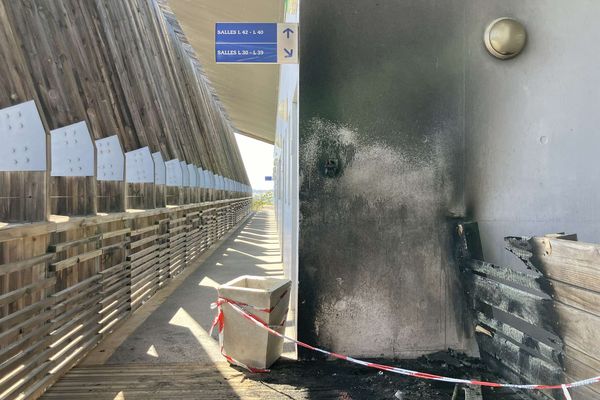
(177, 331)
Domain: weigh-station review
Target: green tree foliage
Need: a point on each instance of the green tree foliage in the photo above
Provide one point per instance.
(261, 200)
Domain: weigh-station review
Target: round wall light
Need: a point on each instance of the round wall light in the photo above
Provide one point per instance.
(505, 38)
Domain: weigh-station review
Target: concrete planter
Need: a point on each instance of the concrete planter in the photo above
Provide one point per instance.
(243, 340)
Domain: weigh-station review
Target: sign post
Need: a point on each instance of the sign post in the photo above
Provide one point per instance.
(256, 43)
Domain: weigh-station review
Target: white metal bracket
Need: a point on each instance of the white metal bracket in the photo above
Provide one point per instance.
(192, 174)
(110, 159)
(139, 166)
(72, 151)
(174, 173)
(22, 138)
(201, 182)
(185, 173)
(160, 170)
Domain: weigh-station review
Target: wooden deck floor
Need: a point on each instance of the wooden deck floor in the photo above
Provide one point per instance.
(168, 381)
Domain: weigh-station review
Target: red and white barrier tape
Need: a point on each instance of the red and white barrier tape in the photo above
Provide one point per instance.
(239, 308)
(566, 392)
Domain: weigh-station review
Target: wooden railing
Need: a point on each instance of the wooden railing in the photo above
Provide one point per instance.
(65, 286)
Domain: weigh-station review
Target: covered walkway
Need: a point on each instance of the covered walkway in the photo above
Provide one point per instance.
(164, 350)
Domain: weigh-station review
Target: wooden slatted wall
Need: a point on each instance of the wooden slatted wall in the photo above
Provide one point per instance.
(125, 68)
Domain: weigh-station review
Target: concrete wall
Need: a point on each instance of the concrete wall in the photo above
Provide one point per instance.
(381, 96)
(532, 124)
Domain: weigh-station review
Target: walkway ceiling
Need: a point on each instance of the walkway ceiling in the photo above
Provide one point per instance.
(248, 92)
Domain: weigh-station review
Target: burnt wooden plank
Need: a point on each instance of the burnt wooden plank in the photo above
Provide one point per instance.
(503, 274)
(506, 370)
(533, 308)
(552, 352)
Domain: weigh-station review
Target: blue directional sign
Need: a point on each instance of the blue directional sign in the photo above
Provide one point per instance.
(246, 53)
(233, 32)
(256, 43)
(268, 178)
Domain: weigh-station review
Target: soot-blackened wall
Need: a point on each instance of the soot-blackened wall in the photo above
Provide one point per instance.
(381, 138)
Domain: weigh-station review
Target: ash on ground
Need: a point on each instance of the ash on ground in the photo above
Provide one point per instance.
(321, 379)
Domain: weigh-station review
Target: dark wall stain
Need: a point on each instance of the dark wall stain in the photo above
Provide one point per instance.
(381, 136)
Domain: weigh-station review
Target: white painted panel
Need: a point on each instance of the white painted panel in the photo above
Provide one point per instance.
(72, 151)
(22, 138)
(160, 169)
(174, 173)
(201, 180)
(139, 166)
(110, 159)
(208, 179)
(192, 173)
(185, 174)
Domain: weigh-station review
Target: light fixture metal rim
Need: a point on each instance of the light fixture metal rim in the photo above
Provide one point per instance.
(488, 44)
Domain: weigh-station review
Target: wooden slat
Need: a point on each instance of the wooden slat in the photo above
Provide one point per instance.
(177, 237)
(141, 242)
(508, 275)
(114, 247)
(177, 229)
(71, 314)
(497, 364)
(136, 258)
(121, 278)
(530, 307)
(550, 352)
(26, 290)
(118, 294)
(121, 232)
(146, 229)
(29, 343)
(114, 269)
(575, 263)
(579, 329)
(178, 220)
(12, 332)
(582, 299)
(21, 265)
(58, 296)
(69, 262)
(24, 313)
(74, 243)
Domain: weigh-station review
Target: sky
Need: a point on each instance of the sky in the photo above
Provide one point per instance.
(258, 159)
